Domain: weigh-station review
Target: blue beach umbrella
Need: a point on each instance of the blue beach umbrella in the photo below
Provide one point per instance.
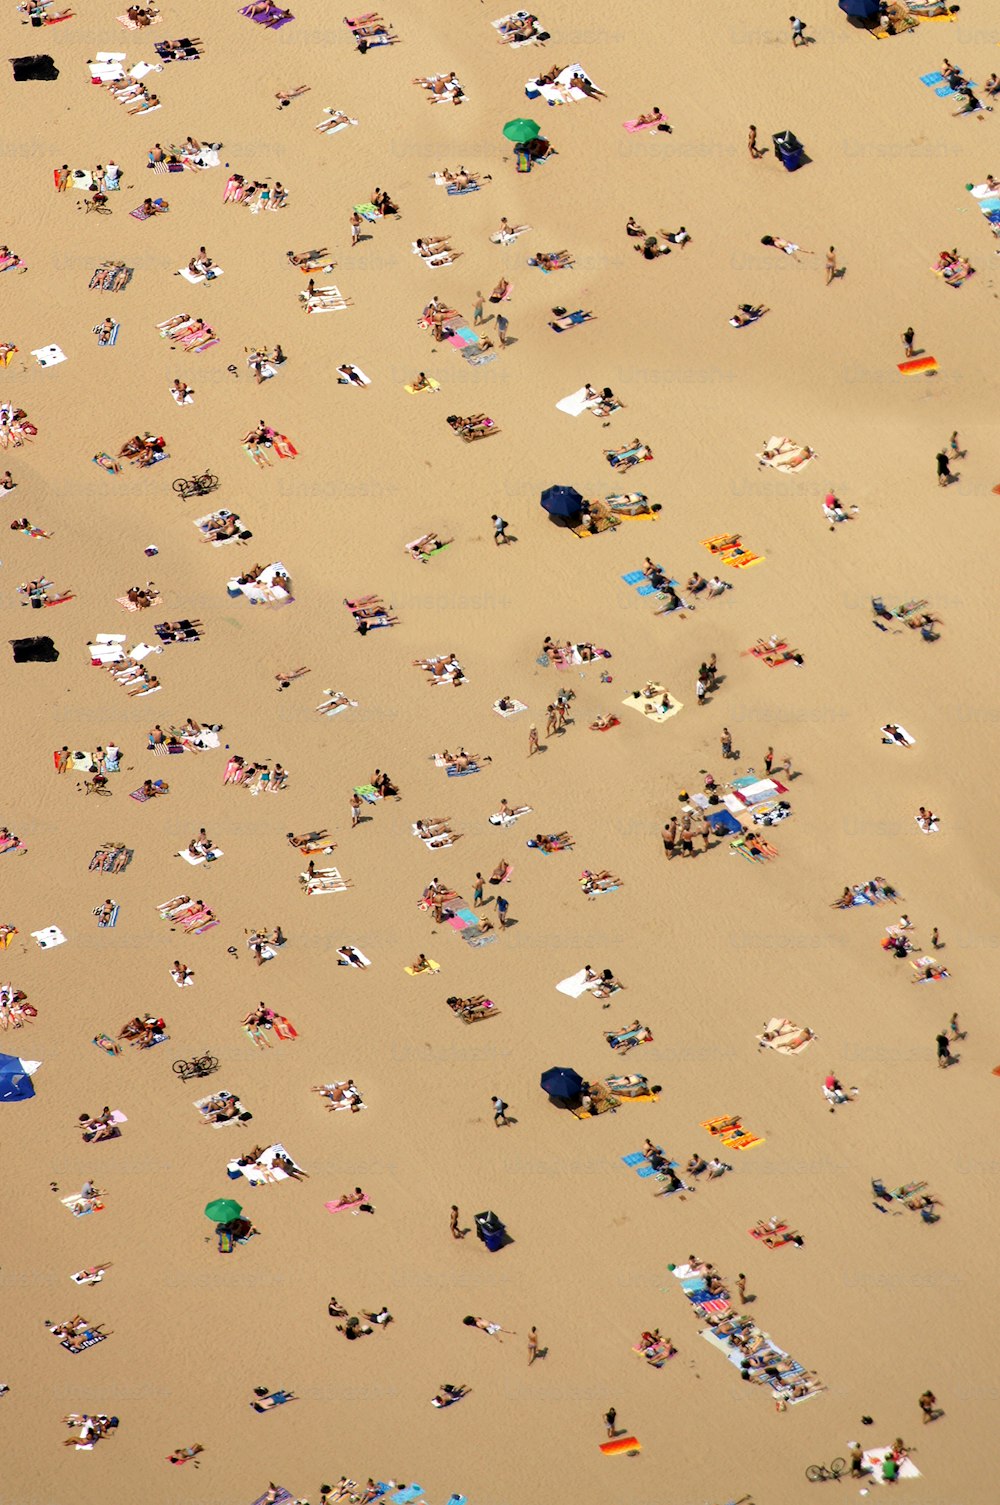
(562, 501)
(15, 1079)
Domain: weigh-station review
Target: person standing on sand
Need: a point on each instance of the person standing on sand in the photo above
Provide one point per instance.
(752, 147)
(502, 327)
(355, 227)
(832, 269)
(477, 892)
(943, 468)
(499, 528)
(355, 810)
(727, 742)
(907, 338)
(477, 312)
(611, 1416)
(532, 1346)
(768, 759)
(456, 1232)
(532, 739)
(502, 907)
(928, 1405)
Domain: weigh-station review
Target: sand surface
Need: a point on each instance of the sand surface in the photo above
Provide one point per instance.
(881, 1308)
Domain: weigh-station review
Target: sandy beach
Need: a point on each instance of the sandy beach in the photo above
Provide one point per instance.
(708, 948)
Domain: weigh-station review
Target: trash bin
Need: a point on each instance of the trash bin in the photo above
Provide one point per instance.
(490, 1229)
(788, 149)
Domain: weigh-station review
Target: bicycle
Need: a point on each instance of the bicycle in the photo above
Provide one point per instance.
(817, 1471)
(197, 486)
(199, 1066)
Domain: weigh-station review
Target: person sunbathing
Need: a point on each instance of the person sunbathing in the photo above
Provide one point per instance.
(383, 203)
(556, 842)
(306, 258)
(778, 244)
(603, 723)
(551, 75)
(517, 28)
(448, 1394)
(748, 313)
(501, 291)
(551, 261)
(599, 882)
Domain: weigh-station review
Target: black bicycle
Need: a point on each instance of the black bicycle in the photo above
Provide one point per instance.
(196, 486)
(198, 1066)
(817, 1471)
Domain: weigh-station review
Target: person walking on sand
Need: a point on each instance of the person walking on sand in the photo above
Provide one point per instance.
(477, 892)
(532, 1346)
(610, 1417)
(768, 759)
(456, 1232)
(741, 1286)
(502, 907)
(727, 742)
(532, 739)
(798, 31)
(500, 1112)
(503, 324)
(831, 265)
(752, 147)
(907, 338)
(499, 528)
(477, 312)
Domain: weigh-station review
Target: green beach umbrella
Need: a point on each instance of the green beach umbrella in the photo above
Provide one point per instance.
(522, 130)
(223, 1210)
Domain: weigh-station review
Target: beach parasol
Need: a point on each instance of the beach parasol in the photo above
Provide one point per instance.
(15, 1079)
(562, 1083)
(522, 130)
(223, 1210)
(562, 501)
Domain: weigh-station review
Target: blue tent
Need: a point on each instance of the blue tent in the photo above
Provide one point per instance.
(15, 1079)
(860, 10)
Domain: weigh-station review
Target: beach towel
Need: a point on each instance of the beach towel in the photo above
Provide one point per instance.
(348, 381)
(429, 966)
(516, 707)
(342, 960)
(621, 1445)
(195, 277)
(49, 355)
(873, 1458)
(432, 386)
(647, 125)
(577, 402)
(112, 338)
(650, 708)
(345, 1206)
(49, 937)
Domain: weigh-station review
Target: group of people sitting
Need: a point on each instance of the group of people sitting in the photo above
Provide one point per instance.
(103, 1126)
(952, 267)
(144, 1032)
(143, 451)
(257, 777)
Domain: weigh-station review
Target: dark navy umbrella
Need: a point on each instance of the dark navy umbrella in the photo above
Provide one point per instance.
(860, 10)
(562, 501)
(562, 1082)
